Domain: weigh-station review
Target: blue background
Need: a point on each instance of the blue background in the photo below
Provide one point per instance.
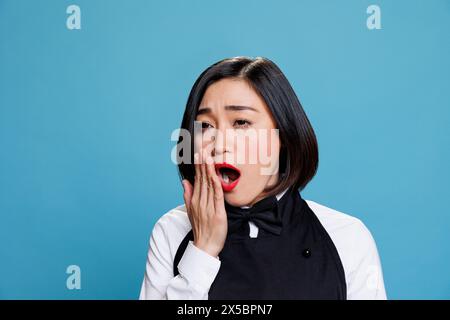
(86, 117)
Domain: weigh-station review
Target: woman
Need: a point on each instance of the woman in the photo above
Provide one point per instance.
(244, 231)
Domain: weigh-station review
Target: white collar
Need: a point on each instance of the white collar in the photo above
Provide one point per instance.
(278, 197)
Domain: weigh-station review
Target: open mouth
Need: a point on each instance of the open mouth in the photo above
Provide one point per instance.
(228, 176)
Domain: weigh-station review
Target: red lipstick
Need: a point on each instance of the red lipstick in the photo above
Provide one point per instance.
(228, 175)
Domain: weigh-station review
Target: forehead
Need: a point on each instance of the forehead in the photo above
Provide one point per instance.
(231, 92)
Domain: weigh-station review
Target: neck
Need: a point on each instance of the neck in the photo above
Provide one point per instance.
(262, 197)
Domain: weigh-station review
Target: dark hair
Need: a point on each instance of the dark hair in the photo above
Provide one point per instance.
(299, 156)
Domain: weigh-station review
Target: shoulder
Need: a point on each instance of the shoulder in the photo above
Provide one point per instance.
(353, 240)
(175, 219)
(340, 225)
(170, 229)
(337, 222)
(357, 251)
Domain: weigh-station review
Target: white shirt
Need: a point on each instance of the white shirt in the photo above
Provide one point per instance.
(197, 269)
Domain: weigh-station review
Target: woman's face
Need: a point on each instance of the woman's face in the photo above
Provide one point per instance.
(238, 129)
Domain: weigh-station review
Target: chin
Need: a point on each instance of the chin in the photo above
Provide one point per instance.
(236, 198)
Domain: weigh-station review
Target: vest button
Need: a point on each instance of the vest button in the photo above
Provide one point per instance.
(306, 253)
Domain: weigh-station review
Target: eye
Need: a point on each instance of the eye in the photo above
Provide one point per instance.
(206, 126)
(242, 123)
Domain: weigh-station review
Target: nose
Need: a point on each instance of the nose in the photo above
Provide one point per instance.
(220, 144)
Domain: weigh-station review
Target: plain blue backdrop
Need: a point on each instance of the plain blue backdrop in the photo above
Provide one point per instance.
(86, 117)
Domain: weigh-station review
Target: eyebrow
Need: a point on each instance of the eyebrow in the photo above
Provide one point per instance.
(228, 108)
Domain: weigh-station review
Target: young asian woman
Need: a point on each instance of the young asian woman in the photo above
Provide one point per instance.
(244, 232)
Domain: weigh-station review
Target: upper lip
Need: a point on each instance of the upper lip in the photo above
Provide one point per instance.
(226, 165)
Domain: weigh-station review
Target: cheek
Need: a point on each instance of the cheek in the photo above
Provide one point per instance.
(271, 147)
(252, 181)
(268, 154)
(198, 142)
(254, 149)
(203, 143)
(252, 175)
(262, 149)
(270, 142)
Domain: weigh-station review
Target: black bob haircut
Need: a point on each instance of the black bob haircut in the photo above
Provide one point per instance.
(299, 156)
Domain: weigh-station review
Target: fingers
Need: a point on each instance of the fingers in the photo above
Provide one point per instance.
(204, 183)
(199, 196)
(197, 180)
(187, 194)
(207, 190)
(210, 170)
(216, 191)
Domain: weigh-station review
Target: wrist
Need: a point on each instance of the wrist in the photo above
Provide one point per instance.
(212, 251)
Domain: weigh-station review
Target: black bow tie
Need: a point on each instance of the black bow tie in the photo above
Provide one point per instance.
(264, 214)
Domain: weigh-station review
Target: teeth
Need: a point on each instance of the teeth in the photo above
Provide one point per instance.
(225, 178)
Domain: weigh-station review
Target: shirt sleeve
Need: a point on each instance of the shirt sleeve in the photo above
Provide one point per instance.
(365, 280)
(197, 270)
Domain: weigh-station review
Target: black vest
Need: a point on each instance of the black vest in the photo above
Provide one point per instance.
(300, 263)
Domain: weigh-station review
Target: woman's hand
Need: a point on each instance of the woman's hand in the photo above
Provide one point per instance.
(205, 207)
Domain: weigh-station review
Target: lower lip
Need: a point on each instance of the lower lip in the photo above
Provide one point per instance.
(227, 187)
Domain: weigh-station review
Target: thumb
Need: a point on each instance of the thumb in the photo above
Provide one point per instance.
(187, 195)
